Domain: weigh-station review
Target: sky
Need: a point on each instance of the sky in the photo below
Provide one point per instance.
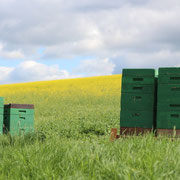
(58, 39)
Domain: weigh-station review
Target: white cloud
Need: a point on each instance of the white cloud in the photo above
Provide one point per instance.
(130, 33)
(14, 54)
(32, 71)
(5, 72)
(162, 58)
(83, 27)
(95, 67)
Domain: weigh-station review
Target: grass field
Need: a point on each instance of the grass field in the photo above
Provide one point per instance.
(73, 119)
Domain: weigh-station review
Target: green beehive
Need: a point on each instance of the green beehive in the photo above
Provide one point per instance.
(138, 88)
(170, 91)
(19, 118)
(169, 76)
(1, 114)
(168, 103)
(139, 73)
(137, 101)
(133, 118)
(169, 71)
(168, 119)
(138, 98)
(138, 76)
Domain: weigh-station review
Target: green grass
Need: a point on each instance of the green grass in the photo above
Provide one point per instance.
(72, 142)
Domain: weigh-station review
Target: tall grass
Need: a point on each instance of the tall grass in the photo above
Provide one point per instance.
(73, 120)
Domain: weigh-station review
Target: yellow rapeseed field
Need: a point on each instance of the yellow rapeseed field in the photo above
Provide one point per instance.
(95, 86)
(99, 86)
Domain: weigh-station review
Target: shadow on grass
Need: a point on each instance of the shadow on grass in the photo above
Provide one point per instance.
(93, 131)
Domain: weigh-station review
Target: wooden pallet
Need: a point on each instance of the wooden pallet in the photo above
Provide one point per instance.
(127, 132)
(168, 132)
(134, 131)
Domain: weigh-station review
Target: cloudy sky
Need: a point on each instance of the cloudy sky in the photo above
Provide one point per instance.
(56, 39)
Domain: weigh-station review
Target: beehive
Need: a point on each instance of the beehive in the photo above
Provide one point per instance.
(138, 99)
(19, 118)
(168, 102)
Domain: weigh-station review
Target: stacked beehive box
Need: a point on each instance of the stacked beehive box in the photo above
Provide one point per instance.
(19, 118)
(168, 103)
(137, 101)
(1, 114)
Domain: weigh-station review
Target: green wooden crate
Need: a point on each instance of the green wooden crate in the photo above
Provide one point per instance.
(142, 119)
(18, 111)
(138, 76)
(168, 89)
(137, 101)
(139, 72)
(19, 118)
(168, 119)
(169, 79)
(169, 71)
(17, 125)
(168, 106)
(132, 88)
(138, 80)
(168, 99)
(168, 94)
(1, 102)
(169, 75)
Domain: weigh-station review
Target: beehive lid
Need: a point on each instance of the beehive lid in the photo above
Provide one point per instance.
(20, 106)
(169, 70)
(139, 72)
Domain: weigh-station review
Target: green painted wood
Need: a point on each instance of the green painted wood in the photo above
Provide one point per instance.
(137, 101)
(166, 89)
(169, 71)
(138, 80)
(132, 88)
(168, 106)
(168, 93)
(16, 124)
(168, 99)
(1, 110)
(18, 111)
(139, 72)
(1, 102)
(168, 119)
(138, 98)
(142, 119)
(169, 79)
